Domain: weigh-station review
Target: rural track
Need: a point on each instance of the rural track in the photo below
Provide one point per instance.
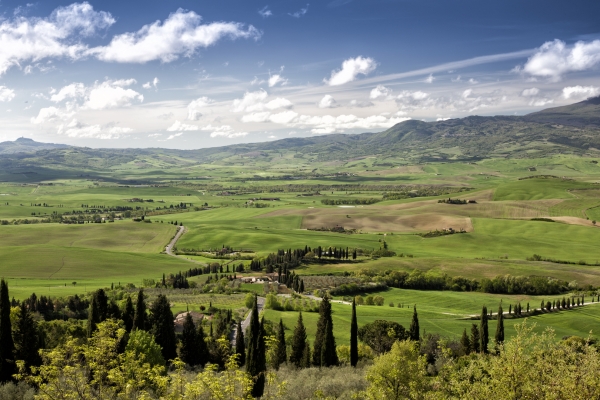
(173, 242)
(260, 302)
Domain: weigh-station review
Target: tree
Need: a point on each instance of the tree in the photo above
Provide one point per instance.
(465, 342)
(298, 343)
(203, 347)
(140, 319)
(162, 327)
(500, 327)
(93, 317)
(27, 342)
(324, 353)
(7, 346)
(475, 339)
(102, 301)
(240, 345)
(353, 336)
(128, 314)
(483, 331)
(380, 335)
(413, 331)
(399, 374)
(256, 364)
(281, 352)
(189, 342)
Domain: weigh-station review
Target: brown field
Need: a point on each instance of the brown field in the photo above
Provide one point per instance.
(387, 223)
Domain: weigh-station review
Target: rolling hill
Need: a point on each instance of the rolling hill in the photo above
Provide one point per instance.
(572, 129)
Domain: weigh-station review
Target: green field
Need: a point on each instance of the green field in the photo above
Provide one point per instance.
(261, 204)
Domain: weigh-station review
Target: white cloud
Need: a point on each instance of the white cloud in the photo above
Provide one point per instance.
(223, 131)
(180, 127)
(123, 82)
(256, 117)
(555, 59)
(351, 68)
(429, 79)
(284, 117)
(300, 13)
(328, 102)
(33, 39)
(6, 94)
(473, 81)
(249, 100)
(540, 102)
(530, 92)
(180, 34)
(413, 100)
(360, 103)
(155, 135)
(257, 81)
(277, 79)
(457, 79)
(76, 129)
(173, 136)
(580, 92)
(107, 95)
(51, 114)
(254, 102)
(380, 92)
(265, 12)
(195, 106)
(72, 91)
(149, 85)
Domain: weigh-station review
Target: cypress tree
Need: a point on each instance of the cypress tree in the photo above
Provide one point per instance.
(413, 331)
(324, 340)
(93, 316)
(162, 327)
(128, 314)
(353, 336)
(305, 362)
(240, 345)
(475, 339)
(102, 301)
(465, 342)
(298, 343)
(26, 339)
(7, 346)
(140, 319)
(255, 360)
(281, 356)
(483, 331)
(500, 327)
(189, 342)
(202, 347)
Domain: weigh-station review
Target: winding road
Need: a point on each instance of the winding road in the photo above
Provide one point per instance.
(173, 242)
(246, 322)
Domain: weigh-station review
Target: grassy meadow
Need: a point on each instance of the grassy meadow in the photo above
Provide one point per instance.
(274, 201)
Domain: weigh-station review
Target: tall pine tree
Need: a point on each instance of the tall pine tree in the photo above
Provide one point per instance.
(162, 327)
(255, 360)
(203, 353)
(414, 332)
(93, 316)
(475, 339)
(500, 327)
(465, 342)
(140, 319)
(240, 345)
(7, 346)
(298, 343)
(281, 353)
(353, 336)
(483, 331)
(324, 353)
(27, 341)
(128, 314)
(189, 342)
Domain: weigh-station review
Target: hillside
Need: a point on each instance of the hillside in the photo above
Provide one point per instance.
(24, 145)
(572, 129)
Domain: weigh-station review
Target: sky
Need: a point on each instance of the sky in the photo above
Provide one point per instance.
(190, 74)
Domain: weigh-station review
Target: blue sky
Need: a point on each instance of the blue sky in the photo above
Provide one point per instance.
(192, 74)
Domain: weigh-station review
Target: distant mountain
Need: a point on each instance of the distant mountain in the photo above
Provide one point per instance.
(25, 145)
(572, 129)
